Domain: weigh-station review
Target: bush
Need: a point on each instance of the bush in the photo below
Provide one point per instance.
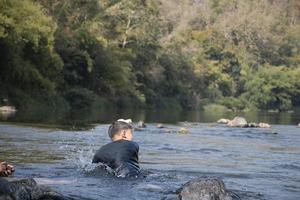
(215, 108)
(272, 88)
(235, 104)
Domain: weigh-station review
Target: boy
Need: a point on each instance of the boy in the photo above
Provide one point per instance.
(121, 154)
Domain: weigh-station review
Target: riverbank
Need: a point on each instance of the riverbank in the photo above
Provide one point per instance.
(86, 118)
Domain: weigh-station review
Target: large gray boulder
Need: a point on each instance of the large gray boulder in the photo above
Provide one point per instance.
(27, 189)
(203, 189)
(223, 121)
(238, 122)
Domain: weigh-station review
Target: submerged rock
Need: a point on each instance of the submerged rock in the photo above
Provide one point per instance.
(255, 125)
(160, 126)
(27, 189)
(188, 124)
(167, 130)
(183, 131)
(238, 122)
(273, 131)
(252, 125)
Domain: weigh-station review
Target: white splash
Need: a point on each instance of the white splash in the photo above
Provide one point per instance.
(46, 181)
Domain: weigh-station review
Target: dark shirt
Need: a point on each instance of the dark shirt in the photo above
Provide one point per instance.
(121, 156)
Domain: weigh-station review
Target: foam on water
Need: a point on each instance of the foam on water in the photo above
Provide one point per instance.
(47, 181)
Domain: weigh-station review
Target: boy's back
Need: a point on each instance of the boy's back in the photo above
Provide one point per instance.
(121, 156)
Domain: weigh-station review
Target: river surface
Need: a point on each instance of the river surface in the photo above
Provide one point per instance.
(255, 163)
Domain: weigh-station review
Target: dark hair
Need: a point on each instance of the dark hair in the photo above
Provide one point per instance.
(116, 127)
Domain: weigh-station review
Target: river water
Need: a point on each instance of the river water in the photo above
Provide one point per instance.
(254, 163)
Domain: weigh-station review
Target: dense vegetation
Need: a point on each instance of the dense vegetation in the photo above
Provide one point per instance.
(170, 53)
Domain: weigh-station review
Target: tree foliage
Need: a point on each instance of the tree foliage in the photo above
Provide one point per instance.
(29, 65)
(172, 53)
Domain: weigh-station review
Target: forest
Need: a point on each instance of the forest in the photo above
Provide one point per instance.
(176, 54)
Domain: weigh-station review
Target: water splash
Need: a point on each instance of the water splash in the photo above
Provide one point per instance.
(81, 159)
(84, 162)
(48, 181)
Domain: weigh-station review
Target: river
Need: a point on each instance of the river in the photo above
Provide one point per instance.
(254, 163)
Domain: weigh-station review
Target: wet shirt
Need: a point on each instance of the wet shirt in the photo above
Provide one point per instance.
(121, 156)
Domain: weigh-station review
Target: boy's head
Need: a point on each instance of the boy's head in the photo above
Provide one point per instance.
(120, 130)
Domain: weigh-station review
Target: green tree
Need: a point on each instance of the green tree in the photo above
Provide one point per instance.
(272, 88)
(29, 66)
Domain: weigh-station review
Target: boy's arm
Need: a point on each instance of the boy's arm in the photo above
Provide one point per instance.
(137, 147)
(98, 157)
(95, 159)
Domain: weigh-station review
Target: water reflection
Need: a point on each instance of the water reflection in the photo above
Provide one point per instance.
(6, 115)
(85, 118)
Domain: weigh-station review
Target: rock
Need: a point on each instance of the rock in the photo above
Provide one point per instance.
(27, 189)
(141, 124)
(223, 121)
(238, 122)
(264, 125)
(204, 189)
(167, 131)
(9, 109)
(242, 122)
(255, 125)
(160, 126)
(299, 125)
(273, 131)
(252, 125)
(183, 131)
